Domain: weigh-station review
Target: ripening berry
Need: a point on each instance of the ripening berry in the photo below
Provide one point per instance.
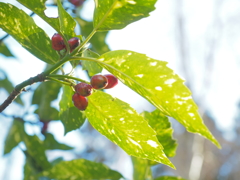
(112, 81)
(79, 102)
(84, 89)
(99, 81)
(76, 2)
(73, 43)
(57, 42)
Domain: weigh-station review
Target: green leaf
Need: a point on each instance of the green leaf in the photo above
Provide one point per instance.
(14, 136)
(121, 124)
(116, 14)
(98, 41)
(161, 125)
(81, 169)
(45, 93)
(169, 178)
(22, 28)
(5, 51)
(36, 152)
(71, 117)
(64, 24)
(30, 171)
(141, 169)
(51, 143)
(91, 66)
(153, 80)
(7, 85)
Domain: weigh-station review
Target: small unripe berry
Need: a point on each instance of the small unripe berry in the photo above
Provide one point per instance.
(79, 102)
(84, 89)
(57, 42)
(112, 81)
(99, 81)
(73, 43)
(76, 2)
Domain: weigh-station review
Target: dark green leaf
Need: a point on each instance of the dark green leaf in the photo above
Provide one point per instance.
(51, 143)
(169, 178)
(81, 169)
(71, 117)
(160, 123)
(141, 169)
(14, 136)
(43, 96)
(121, 124)
(36, 152)
(153, 80)
(30, 169)
(98, 41)
(5, 51)
(116, 14)
(91, 66)
(27, 33)
(7, 85)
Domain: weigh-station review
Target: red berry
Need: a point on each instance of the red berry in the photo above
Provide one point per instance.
(79, 102)
(84, 89)
(44, 127)
(57, 42)
(73, 43)
(76, 2)
(112, 81)
(99, 82)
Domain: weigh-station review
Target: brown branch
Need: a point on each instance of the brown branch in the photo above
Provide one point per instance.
(19, 89)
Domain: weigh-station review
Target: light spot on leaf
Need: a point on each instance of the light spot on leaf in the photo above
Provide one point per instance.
(170, 81)
(152, 143)
(158, 88)
(121, 119)
(140, 75)
(131, 2)
(153, 63)
(129, 54)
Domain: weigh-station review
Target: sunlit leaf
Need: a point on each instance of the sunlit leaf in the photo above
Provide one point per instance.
(156, 82)
(98, 41)
(160, 123)
(141, 169)
(14, 136)
(71, 117)
(36, 152)
(91, 66)
(116, 14)
(51, 143)
(43, 96)
(5, 51)
(169, 178)
(27, 33)
(121, 124)
(81, 169)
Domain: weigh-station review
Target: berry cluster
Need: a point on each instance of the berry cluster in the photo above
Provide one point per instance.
(97, 82)
(58, 42)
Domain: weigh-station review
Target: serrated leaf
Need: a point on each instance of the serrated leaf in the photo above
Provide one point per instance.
(51, 143)
(81, 169)
(169, 178)
(45, 93)
(27, 33)
(98, 41)
(14, 136)
(5, 51)
(141, 169)
(153, 80)
(71, 117)
(36, 151)
(160, 123)
(116, 14)
(91, 66)
(121, 124)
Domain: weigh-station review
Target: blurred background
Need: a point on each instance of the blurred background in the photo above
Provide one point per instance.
(200, 40)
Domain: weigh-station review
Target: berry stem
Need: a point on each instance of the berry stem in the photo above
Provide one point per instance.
(68, 77)
(62, 82)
